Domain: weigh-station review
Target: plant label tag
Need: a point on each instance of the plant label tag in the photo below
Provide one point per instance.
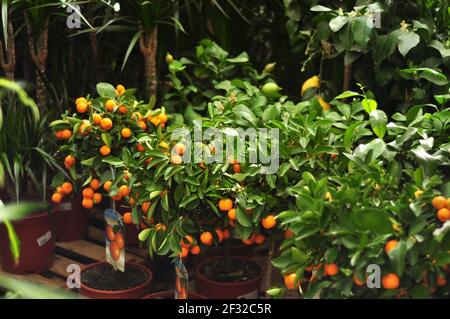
(114, 239)
(44, 238)
(65, 207)
(251, 295)
(181, 280)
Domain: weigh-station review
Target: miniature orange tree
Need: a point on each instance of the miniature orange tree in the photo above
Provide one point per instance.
(98, 141)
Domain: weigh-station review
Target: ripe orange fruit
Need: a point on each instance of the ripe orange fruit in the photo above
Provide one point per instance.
(114, 250)
(109, 231)
(160, 226)
(94, 184)
(56, 198)
(119, 240)
(288, 234)
(82, 107)
(66, 134)
(162, 118)
(259, 238)
(145, 207)
(88, 193)
(390, 281)
(439, 202)
(97, 119)
(248, 241)
(109, 105)
(124, 190)
(105, 150)
(154, 120)
(97, 198)
(187, 241)
(106, 124)
(219, 233)
(331, 269)
(84, 128)
(225, 204)
(120, 89)
(123, 109)
(269, 222)
(390, 245)
(142, 125)
(80, 100)
(127, 218)
(195, 250)
(237, 168)
(206, 238)
(441, 281)
(137, 116)
(69, 160)
(87, 203)
(176, 159)
(289, 281)
(418, 193)
(126, 132)
(443, 214)
(59, 190)
(116, 197)
(232, 214)
(226, 234)
(67, 188)
(140, 147)
(179, 148)
(358, 281)
(184, 252)
(107, 186)
(59, 134)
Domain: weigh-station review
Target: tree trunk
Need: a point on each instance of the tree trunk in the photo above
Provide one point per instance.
(347, 77)
(39, 53)
(8, 62)
(148, 44)
(268, 269)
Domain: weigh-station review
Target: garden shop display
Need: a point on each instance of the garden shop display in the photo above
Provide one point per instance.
(225, 149)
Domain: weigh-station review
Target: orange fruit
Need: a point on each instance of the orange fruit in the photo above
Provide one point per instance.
(109, 105)
(219, 233)
(59, 190)
(184, 252)
(176, 159)
(390, 245)
(107, 186)
(82, 107)
(97, 119)
(269, 222)
(69, 160)
(331, 269)
(443, 214)
(119, 240)
(195, 250)
(439, 202)
(232, 214)
(179, 148)
(161, 227)
(187, 241)
(289, 281)
(59, 134)
(67, 188)
(162, 118)
(127, 218)
(137, 116)
(106, 124)
(132, 201)
(66, 134)
(288, 234)
(259, 239)
(94, 184)
(418, 193)
(114, 250)
(126, 132)
(87, 203)
(84, 128)
(123, 109)
(390, 281)
(206, 238)
(109, 231)
(124, 190)
(226, 234)
(248, 241)
(105, 150)
(225, 204)
(88, 193)
(142, 125)
(154, 120)
(358, 281)
(140, 147)
(57, 198)
(80, 100)
(441, 281)
(120, 89)
(237, 168)
(97, 198)
(145, 207)
(116, 197)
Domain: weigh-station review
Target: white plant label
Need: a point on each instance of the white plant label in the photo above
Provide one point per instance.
(64, 207)
(44, 238)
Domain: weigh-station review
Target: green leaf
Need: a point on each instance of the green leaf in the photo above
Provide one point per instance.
(362, 30)
(130, 47)
(346, 94)
(369, 105)
(406, 41)
(106, 90)
(243, 218)
(397, 256)
(373, 219)
(338, 22)
(378, 121)
(241, 58)
(319, 8)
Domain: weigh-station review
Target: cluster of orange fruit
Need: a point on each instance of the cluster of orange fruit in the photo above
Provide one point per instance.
(188, 245)
(63, 134)
(442, 205)
(69, 161)
(66, 188)
(90, 197)
(179, 150)
(117, 243)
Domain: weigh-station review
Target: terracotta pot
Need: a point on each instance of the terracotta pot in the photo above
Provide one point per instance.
(248, 289)
(37, 244)
(72, 220)
(132, 293)
(170, 294)
(131, 231)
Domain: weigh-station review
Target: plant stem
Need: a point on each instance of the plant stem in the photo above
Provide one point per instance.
(347, 77)
(268, 275)
(148, 44)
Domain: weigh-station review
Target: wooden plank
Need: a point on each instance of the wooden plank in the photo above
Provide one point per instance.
(60, 265)
(52, 283)
(94, 251)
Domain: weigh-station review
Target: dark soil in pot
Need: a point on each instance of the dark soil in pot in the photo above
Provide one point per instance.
(242, 281)
(100, 280)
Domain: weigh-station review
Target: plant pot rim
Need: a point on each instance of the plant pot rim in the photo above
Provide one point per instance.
(199, 274)
(116, 292)
(165, 293)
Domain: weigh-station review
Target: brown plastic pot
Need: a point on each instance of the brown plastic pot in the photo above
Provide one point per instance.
(37, 244)
(170, 294)
(131, 230)
(72, 220)
(132, 293)
(248, 289)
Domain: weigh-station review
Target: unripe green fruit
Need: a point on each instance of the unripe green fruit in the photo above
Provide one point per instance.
(169, 58)
(270, 89)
